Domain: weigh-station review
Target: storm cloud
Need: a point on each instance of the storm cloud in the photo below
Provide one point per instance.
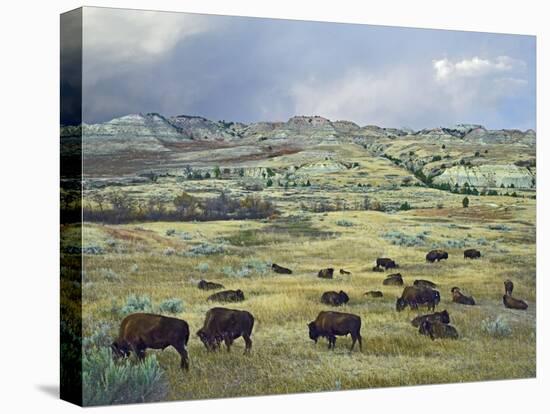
(251, 69)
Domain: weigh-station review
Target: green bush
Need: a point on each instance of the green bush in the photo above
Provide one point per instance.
(344, 223)
(172, 305)
(136, 303)
(405, 206)
(465, 202)
(497, 328)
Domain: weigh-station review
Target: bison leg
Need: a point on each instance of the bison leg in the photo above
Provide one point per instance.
(248, 344)
(354, 339)
(228, 341)
(184, 364)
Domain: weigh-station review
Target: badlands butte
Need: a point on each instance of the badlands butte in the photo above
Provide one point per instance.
(308, 194)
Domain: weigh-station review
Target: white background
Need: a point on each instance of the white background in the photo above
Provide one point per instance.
(29, 145)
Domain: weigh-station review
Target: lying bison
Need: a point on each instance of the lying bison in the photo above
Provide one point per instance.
(280, 269)
(374, 294)
(205, 285)
(393, 280)
(437, 330)
(513, 303)
(331, 324)
(424, 283)
(458, 297)
(140, 331)
(227, 296)
(335, 298)
(436, 255)
(222, 324)
(472, 254)
(386, 263)
(344, 272)
(508, 287)
(415, 295)
(442, 317)
(327, 273)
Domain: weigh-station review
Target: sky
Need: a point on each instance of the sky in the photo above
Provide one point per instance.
(251, 69)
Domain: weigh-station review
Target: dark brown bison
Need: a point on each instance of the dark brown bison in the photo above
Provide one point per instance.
(415, 295)
(472, 254)
(331, 324)
(335, 298)
(442, 317)
(436, 255)
(458, 297)
(327, 273)
(437, 330)
(227, 296)
(424, 283)
(374, 294)
(386, 263)
(344, 272)
(513, 303)
(508, 287)
(140, 331)
(205, 285)
(393, 280)
(222, 324)
(280, 269)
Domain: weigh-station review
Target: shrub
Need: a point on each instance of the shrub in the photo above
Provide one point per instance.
(106, 382)
(109, 275)
(497, 328)
(405, 206)
(465, 202)
(269, 182)
(258, 266)
(230, 272)
(499, 227)
(436, 158)
(170, 232)
(203, 267)
(344, 223)
(206, 249)
(402, 239)
(169, 251)
(101, 337)
(172, 305)
(134, 268)
(136, 303)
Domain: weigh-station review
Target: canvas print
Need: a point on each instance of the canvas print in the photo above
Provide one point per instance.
(255, 206)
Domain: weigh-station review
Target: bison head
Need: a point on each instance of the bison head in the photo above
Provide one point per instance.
(119, 350)
(445, 317)
(208, 341)
(313, 333)
(240, 294)
(400, 304)
(344, 298)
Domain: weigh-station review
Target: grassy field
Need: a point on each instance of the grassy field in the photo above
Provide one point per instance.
(156, 259)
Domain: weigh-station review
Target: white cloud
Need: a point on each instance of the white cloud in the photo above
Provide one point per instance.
(446, 70)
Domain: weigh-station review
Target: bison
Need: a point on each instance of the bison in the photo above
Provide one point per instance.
(327, 273)
(436, 255)
(508, 287)
(227, 296)
(331, 324)
(335, 298)
(377, 269)
(415, 295)
(472, 254)
(222, 324)
(513, 303)
(280, 269)
(374, 294)
(437, 329)
(140, 331)
(394, 280)
(386, 263)
(205, 285)
(442, 317)
(458, 297)
(424, 283)
(344, 272)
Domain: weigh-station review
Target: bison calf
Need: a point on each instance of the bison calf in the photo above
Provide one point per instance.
(335, 298)
(437, 330)
(436, 255)
(472, 254)
(280, 269)
(222, 324)
(458, 297)
(327, 273)
(442, 317)
(415, 295)
(393, 280)
(140, 331)
(227, 296)
(205, 285)
(331, 324)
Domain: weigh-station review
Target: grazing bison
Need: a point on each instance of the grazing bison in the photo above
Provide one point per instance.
(472, 254)
(424, 283)
(327, 273)
(508, 287)
(437, 330)
(458, 297)
(415, 295)
(205, 285)
(222, 324)
(140, 331)
(442, 317)
(331, 324)
(374, 294)
(227, 296)
(436, 255)
(344, 272)
(386, 263)
(335, 298)
(280, 269)
(513, 303)
(394, 280)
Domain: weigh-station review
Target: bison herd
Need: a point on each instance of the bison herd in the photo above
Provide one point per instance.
(141, 331)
